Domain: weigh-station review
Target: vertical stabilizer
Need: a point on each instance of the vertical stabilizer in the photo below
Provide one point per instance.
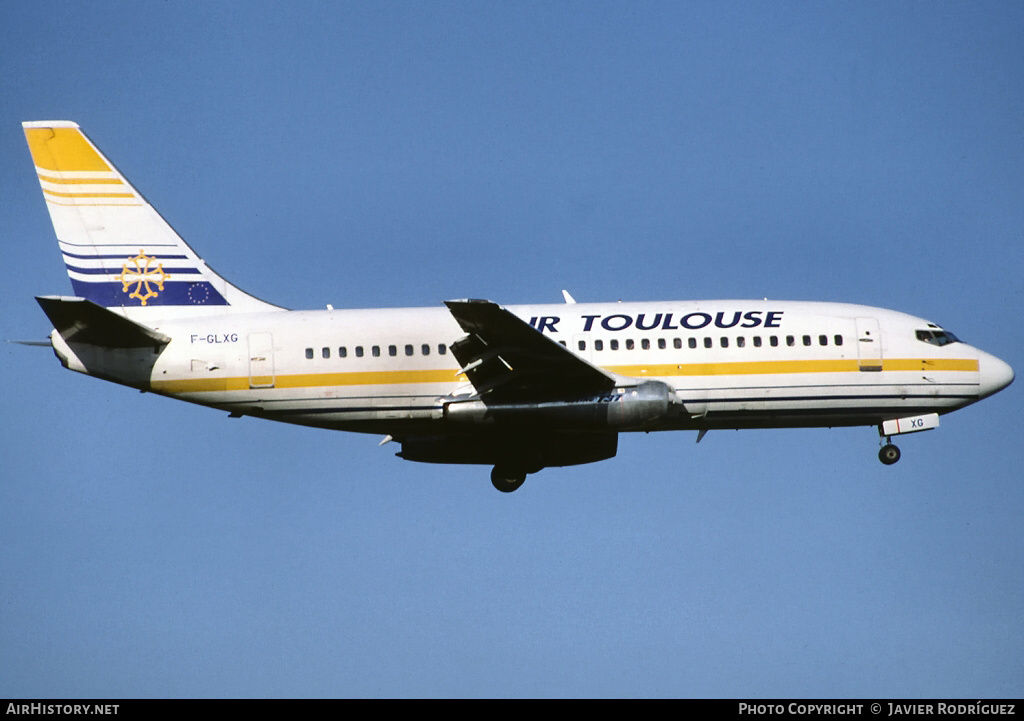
(120, 253)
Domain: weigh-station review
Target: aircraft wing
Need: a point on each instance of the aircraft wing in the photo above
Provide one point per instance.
(508, 361)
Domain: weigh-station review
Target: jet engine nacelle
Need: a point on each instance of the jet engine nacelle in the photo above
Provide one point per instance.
(624, 408)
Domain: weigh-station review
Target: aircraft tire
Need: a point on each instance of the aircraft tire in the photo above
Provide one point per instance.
(888, 454)
(507, 479)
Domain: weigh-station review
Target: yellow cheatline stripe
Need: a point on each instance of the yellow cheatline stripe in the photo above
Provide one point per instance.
(743, 368)
(63, 149)
(791, 367)
(781, 367)
(930, 364)
(88, 195)
(320, 380)
(307, 380)
(79, 181)
(365, 378)
(201, 385)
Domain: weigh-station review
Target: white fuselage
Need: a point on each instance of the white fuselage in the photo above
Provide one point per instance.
(730, 364)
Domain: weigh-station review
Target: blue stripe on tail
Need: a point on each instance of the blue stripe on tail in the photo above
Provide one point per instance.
(173, 293)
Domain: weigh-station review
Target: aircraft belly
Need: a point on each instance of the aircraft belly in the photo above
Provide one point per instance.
(818, 400)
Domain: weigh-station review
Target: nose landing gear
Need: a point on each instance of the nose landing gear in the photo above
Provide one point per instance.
(888, 454)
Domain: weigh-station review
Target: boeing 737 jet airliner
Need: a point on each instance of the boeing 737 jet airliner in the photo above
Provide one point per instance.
(519, 388)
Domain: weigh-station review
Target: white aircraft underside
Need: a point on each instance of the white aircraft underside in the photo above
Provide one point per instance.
(518, 387)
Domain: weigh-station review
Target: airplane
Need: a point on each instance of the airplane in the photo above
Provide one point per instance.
(519, 388)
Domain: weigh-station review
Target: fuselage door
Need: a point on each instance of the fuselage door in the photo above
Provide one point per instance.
(869, 344)
(261, 360)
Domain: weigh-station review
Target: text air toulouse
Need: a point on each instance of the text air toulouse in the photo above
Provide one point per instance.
(666, 321)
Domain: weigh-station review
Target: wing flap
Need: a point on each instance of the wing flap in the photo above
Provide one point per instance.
(508, 360)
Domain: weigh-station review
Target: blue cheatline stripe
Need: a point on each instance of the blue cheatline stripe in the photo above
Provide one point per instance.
(242, 407)
(847, 397)
(121, 257)
(342, 409)
(174, 293)
(117, 271)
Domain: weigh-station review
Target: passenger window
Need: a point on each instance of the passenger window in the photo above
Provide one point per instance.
(822, 340)
(629, 344)
(562, 343)
(662, 344)
(757, 341)
(325, 352)
(677, 343)
(790, 340)
(581, 345)
(613, 345)
(425, 349)
(409, 349)
(309, 352)
(740, 342)
(359, 351)
(807, 340)
(342, 352)
(774, 340)
(375, 351)
(692, 342)
(838, 339)
(725, 342)
(645, 344)
(442, 349)
(708, 343)
(598, 345)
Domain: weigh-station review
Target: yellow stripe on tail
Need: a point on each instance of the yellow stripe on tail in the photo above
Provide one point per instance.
(63, 148)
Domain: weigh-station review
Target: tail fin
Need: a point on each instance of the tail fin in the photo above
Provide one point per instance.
(119, 252)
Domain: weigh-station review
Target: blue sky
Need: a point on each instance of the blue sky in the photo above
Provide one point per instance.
(399, 154)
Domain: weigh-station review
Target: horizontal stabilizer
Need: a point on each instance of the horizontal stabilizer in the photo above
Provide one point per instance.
(81, 321)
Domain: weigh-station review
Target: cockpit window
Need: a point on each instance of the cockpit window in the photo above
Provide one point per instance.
(937, 337)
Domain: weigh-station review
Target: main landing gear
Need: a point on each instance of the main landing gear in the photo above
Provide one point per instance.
(888, 454)
(506, 478)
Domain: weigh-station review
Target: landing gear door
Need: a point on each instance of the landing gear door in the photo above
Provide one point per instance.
(869, 345)
(261, 360)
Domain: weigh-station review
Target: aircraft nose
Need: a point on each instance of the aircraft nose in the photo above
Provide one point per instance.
(995, 374)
